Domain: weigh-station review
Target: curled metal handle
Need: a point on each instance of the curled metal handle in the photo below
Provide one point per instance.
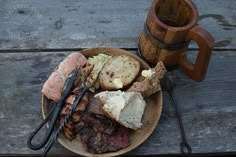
(168, 84)
(53, 114)
(185, 148)
(46, 136)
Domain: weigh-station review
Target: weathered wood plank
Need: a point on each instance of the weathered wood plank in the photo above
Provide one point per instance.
(208, 108)
(116, 23)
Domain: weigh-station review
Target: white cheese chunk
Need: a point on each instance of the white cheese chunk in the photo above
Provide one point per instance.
(147, 73)
(125, 107)
(117, 83)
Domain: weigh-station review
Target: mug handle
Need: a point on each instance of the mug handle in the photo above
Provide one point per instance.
(205, 43)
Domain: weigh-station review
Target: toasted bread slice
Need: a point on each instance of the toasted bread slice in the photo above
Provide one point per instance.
(118, 72)
(98, 62)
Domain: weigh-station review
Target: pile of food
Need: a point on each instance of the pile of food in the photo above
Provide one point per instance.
(113, 108)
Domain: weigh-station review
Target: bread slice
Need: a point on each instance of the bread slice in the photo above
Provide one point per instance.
(151, 82)
(126, 108)
(118, 72)
(98, 62)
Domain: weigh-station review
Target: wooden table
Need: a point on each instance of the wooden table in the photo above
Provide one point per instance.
(36, 35)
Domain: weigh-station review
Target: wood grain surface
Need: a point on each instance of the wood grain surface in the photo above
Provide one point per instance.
(208, 108)
(62, 24)
(30, 28)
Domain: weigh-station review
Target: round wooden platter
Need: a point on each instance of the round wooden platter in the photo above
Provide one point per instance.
(150, 118)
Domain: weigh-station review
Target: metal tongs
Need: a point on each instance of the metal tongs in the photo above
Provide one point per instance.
(48, 138)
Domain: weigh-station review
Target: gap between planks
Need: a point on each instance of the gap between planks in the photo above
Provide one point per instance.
(80, 49)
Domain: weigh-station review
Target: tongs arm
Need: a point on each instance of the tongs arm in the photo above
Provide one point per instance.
(72, 110)
(54, 113)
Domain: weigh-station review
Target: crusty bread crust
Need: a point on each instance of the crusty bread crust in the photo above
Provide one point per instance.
(151, 85)
(122, 67)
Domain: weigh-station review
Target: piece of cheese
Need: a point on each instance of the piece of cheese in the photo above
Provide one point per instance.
(117, 83)
(147, 73)
(126, 108)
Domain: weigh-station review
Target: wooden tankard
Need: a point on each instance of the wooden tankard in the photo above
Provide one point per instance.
(170, 26)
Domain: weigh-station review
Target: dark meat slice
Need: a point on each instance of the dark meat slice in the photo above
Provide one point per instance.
(100, 134)
(118, 140)
(79, 126)
(86, 134)
(91, 140)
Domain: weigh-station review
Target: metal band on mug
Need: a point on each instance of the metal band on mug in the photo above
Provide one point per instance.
(161, 44)
(169, 68)
(141, 55)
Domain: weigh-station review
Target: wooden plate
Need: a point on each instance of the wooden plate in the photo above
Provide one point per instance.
(150, 118)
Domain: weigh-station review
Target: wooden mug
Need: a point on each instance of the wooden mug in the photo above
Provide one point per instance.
(170, 26)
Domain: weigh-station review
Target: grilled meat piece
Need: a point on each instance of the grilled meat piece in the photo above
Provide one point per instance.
(69, 131)
(52, 88)
(100, 134)
(70, 100)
